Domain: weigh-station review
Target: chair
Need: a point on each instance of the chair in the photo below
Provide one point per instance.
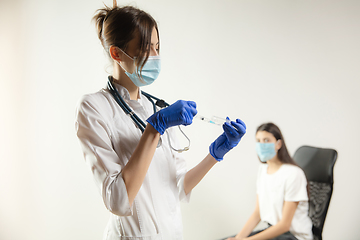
(318, 165)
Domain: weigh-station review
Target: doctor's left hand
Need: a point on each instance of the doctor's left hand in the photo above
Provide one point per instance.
(180, 113)
(228, 140)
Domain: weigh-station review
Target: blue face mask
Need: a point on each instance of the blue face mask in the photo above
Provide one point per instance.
(149, 73)
(265, 151)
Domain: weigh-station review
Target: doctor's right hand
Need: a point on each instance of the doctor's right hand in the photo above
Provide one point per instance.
(180, 113)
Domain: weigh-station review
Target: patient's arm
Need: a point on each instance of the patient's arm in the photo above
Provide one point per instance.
(282, 226)
(250, 224)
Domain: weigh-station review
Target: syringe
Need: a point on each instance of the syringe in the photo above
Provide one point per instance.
(213, 120)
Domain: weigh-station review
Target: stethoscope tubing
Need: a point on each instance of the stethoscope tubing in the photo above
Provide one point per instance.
(125, 107)
(139, 123)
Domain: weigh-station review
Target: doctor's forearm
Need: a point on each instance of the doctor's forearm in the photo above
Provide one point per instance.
(135, 170)
(194, 176)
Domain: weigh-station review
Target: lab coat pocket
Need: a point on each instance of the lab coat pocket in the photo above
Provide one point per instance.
(153, 237)
(137, 227)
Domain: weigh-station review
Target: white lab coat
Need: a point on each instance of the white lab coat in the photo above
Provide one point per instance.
(108, 138)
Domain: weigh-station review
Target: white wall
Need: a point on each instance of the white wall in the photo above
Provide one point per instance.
(295, 63)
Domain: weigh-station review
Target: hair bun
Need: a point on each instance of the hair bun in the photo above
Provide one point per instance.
(117, 26)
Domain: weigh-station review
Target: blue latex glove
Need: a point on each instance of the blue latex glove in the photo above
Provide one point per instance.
(180, 113)
(229, 139)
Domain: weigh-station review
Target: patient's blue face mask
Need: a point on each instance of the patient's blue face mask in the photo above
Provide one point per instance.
(149, 73)
(265, 151)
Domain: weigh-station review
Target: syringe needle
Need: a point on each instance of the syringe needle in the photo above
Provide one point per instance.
(213, 120)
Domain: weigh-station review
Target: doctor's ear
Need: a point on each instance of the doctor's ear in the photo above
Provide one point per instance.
(115, 53)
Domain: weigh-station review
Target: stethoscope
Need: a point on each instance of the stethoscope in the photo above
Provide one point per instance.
(135, 118)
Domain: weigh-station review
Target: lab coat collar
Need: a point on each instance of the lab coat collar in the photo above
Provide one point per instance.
(124, 93)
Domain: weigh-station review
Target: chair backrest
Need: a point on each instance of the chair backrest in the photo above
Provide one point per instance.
(318, 165)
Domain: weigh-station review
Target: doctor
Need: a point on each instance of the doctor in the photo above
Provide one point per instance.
(141, 180)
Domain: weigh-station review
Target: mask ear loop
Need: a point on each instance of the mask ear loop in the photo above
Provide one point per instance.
(118, 62)
(126, 54)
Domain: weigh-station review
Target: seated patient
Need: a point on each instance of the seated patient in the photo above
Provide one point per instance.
(282, 197)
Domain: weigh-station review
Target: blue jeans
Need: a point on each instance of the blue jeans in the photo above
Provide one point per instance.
(284, 236)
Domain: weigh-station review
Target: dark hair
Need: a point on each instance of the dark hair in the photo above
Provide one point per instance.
(283, 153)
(117, 26)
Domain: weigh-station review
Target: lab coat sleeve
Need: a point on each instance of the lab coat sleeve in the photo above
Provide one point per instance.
(181, 172)
(181, 168)
(95, 139)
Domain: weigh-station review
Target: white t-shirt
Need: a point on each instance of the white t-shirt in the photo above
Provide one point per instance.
(287, 184)
(108, 138)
